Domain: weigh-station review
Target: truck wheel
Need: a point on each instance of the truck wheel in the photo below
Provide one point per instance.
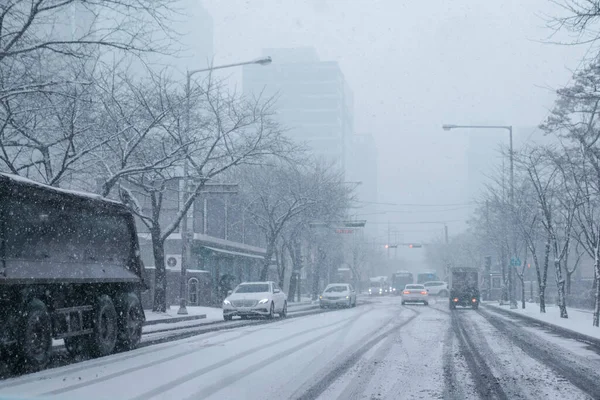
(35, 339)
(227, 317)
(104, 338)
(130, 321)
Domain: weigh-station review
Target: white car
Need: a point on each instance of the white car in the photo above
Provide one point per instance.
(338, 294)
(255, 299)
(437, 288)
(415, 294)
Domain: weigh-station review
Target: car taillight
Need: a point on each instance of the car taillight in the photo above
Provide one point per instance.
(455, 300)
(474, 300)
(406, 292)
(423, 292)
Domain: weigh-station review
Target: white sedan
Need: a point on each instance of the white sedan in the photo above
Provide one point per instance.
(415, 294)
(255, 299)
(338, 294)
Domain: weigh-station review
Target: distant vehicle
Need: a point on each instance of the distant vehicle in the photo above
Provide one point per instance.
(437, 288)
(415, 294)
(378, 286)
(464, 287)
(255, 299)
(70, 269)
(399, 280)
(427, 276)
(338, 294)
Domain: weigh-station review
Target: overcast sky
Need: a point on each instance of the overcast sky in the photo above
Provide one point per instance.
(414, 65)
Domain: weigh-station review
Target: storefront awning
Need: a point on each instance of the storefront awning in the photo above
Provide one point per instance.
(233, 253)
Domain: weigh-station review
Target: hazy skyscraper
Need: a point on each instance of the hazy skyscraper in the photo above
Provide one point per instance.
(314, 101)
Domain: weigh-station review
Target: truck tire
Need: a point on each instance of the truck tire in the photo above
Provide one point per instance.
(35, 339)
(104, 339)
(130, 321)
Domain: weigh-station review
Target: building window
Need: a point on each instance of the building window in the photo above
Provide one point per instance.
(193, 291)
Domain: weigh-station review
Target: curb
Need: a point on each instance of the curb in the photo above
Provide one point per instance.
(565, 332)
(174, 319)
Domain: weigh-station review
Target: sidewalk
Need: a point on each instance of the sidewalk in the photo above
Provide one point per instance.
(579, 321)
(171, 316)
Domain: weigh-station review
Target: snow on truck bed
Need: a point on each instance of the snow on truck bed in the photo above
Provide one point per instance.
(77, 193)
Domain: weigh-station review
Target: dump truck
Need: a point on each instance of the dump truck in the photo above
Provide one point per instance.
(464, 287)
(70, 269)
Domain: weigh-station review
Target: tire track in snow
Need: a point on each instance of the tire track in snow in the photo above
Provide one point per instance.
(175, 356)
(202, 371)
(322, 384)
(583, 377)
(486, 383)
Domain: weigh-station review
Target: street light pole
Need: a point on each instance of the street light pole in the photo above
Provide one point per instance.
(187, 231)
(447, 127)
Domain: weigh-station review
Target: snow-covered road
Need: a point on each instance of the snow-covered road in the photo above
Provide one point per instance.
(379, 350)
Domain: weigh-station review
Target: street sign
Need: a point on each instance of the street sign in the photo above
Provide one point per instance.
(515, 262)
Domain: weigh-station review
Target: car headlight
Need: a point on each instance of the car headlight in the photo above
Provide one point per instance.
(369, 290)
(347, 297)
(321, 297)
(263, 301)
(226, 302)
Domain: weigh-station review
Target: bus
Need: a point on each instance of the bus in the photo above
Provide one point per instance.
(399, 280)
(427, 276)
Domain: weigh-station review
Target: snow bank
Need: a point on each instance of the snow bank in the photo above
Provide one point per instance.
(579, 320)
(212, 313)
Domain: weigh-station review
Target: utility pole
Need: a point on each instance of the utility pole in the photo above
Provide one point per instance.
(388, 241)
(187, 231)
(513, 251)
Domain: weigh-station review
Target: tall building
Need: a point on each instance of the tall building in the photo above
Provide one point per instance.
(314, 101)
(197, 37)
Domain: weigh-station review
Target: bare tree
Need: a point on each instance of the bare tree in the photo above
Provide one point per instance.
(42, 30)
(225, 131)
(575, 118)
(579, 17)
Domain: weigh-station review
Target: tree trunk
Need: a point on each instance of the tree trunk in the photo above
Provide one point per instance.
(160, 273)
(294, 252)
(267, 260)
(543, 276)
(569, 282)
(318, 266)
(597, 282)
(560, 283)
(521, 278)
